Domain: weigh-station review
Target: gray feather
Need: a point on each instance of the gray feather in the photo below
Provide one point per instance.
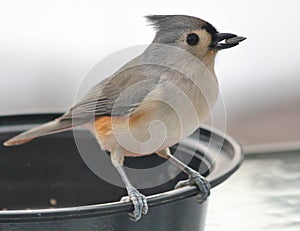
(118, 95)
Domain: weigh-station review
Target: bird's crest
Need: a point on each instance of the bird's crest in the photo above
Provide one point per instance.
(179, 22)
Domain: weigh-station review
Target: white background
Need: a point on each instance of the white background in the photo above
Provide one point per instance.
(47, 47)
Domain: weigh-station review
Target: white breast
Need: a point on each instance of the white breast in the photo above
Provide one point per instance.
(172, 112)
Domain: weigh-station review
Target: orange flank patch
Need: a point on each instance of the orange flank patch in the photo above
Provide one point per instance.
(106, 127)
(103, 126)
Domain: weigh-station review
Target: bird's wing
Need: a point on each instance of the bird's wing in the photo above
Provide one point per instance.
(117, 95)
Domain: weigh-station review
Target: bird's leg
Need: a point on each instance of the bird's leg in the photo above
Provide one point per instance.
(138, 200)
(194, 177)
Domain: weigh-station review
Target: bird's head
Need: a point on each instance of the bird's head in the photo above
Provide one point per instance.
(192, 34)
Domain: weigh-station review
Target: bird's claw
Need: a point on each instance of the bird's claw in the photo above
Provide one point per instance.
(196, 179)
(139, 202)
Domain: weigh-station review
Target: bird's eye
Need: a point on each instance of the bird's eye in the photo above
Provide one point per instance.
(192, 39)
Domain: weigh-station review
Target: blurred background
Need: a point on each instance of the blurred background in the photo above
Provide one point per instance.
(47, 48)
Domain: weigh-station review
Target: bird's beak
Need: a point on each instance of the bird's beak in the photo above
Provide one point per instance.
(222, 41)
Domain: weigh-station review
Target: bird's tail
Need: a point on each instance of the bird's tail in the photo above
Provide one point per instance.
(51, 127)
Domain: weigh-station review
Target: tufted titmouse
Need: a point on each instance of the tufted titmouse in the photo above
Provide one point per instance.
(153, 102)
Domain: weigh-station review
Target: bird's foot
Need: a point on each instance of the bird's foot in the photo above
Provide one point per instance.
(196, 179)
(139, 202)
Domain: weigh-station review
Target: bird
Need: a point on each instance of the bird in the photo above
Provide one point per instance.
(153, 102)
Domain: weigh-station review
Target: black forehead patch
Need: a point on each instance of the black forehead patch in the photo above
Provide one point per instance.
(209, 28)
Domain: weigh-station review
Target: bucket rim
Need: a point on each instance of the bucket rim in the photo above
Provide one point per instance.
(233, 160)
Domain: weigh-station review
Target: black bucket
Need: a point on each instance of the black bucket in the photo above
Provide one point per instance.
(45, 185)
